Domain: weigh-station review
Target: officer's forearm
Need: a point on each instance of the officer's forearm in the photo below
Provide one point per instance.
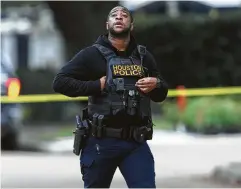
(73, 88)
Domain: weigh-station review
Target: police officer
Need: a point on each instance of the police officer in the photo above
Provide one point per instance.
(121, 79)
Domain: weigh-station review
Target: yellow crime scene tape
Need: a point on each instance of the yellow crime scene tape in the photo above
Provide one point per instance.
(171, 93)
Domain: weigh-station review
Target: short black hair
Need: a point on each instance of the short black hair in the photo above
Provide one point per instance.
(125, 9)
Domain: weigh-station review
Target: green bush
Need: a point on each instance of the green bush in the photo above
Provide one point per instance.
(194, 52)
(171, 112)
(209, 115)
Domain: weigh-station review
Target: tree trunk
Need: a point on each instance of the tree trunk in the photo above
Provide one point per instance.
(80, 22)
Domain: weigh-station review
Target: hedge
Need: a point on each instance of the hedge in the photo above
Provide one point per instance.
(207, 115)
(194, 52)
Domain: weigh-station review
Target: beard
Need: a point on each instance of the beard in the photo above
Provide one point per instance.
(123, 34)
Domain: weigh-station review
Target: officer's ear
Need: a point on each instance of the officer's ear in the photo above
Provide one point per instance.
(132, 26)
(107, 25)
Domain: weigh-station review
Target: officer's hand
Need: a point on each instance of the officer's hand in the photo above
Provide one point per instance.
(102, 82)
(146, 84)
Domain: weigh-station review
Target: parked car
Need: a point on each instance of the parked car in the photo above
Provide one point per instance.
(11, 113)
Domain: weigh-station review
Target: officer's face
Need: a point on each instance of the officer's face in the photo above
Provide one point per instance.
(119, 22)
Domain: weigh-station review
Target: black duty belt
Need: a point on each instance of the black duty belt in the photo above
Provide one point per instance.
(139, 134)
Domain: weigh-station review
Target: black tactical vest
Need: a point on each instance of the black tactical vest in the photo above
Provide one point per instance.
(121, 98)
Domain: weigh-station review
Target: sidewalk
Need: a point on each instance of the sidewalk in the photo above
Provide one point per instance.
(177, 153)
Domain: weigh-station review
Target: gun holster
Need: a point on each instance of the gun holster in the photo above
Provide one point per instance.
(81, 133)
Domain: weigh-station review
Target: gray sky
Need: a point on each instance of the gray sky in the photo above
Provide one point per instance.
(132, 4)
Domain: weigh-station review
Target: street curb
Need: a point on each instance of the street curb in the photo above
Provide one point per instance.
(228, 174)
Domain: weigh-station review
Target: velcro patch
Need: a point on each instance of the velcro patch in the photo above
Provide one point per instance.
(127, 70)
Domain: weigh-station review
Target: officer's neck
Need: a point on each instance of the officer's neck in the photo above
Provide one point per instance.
(119, 43)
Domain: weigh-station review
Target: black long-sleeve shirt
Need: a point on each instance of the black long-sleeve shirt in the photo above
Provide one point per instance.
(81, 75)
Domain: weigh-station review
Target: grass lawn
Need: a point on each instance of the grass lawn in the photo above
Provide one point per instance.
(162, 124)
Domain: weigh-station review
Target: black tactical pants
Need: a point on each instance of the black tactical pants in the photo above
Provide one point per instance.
(101, 157)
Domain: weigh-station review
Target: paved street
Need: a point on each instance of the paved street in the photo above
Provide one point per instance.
(177, 166)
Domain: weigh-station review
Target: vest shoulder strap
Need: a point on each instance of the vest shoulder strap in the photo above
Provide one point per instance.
(142, 52)
(106, 52)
